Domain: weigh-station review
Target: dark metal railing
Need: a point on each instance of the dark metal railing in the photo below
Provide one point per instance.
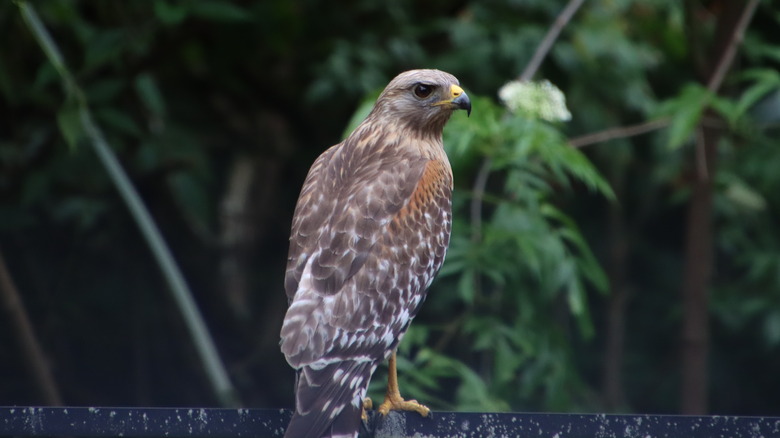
(208, 422)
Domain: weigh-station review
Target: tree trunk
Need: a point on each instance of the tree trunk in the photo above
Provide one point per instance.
(696, 281)
(614, 397)
(732, 20)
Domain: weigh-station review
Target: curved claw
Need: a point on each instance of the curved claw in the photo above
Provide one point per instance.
(367, 404)
(394, 402)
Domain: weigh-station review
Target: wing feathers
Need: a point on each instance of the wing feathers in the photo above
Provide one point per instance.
(366, 202)
(329, 399)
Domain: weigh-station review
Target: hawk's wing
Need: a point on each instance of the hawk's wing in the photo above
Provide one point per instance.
(340, 212)
(364, 247)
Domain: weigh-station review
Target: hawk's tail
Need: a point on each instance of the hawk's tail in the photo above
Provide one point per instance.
(329, 399)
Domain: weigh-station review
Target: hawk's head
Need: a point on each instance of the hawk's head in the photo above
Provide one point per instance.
(422, 99)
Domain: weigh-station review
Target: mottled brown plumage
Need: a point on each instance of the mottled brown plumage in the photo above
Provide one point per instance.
(370, 231)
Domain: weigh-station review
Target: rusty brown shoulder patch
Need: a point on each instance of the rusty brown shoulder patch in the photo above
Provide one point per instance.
(436, 180)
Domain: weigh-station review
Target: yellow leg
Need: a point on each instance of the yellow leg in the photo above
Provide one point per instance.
(393, 400)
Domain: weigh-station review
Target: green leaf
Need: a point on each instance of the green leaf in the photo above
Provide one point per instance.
(192, 198)
(69, 122)
(149, 93)
(727, 108)
(170, 14)
(104, 91)
(105, 47)
(685, 110)
(115, 119)
(766, 81)
(466, 286)
(743, 195)
(575, 298)
(45, 74)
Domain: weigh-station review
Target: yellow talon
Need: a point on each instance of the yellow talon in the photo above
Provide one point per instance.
(393, 400)
(367, 404)
(397, 403)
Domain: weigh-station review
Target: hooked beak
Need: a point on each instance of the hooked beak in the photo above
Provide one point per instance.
(458, 99)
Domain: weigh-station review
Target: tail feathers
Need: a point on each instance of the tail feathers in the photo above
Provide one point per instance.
(328, 400)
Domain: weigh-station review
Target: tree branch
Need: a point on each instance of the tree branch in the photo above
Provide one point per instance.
(725, 61)
(32, 351)
(552, 34)
(619, 132)
(476, 200)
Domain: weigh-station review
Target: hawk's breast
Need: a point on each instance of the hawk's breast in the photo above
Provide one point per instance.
(416, 242)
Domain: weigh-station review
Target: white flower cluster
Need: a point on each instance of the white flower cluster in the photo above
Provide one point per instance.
(535, 99)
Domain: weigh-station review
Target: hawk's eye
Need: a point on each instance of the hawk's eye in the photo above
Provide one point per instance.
(422, 91)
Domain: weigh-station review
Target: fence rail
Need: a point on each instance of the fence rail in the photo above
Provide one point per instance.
(207, 422)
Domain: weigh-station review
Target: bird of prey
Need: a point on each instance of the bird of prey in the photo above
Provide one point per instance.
(370, 230)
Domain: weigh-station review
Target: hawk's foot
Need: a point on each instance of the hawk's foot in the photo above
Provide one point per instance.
(367, 404)
(394, 402)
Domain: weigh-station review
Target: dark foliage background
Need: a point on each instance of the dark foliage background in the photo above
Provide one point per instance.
(565, 292)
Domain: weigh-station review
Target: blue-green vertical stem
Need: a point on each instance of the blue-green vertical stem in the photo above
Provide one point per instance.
(182, 295)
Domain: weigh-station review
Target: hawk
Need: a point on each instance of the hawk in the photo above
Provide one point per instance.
(369, 234)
